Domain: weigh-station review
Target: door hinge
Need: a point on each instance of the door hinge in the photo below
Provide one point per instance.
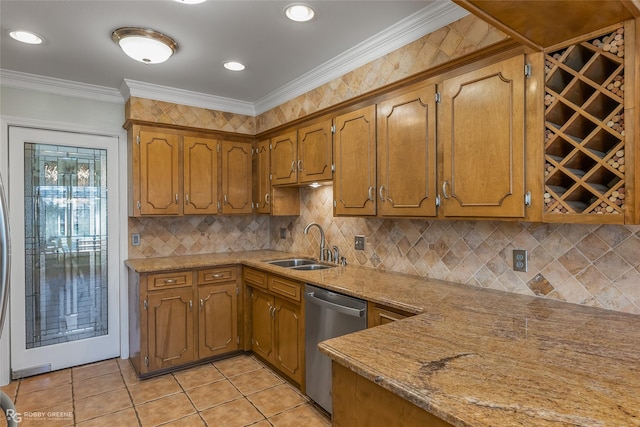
(438, 97)
(527, 199)
(333, 128)
(270, 147)
(527, 70)
(146, 305)
(335, 203)
(270, 177)
(438, 201)
(138, 204)
(146, 361)
(138, 139)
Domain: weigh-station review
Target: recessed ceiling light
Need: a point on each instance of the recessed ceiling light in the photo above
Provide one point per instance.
(299, 12)
(190, 1)
(25, 37)
(234, 66)
(144, 45)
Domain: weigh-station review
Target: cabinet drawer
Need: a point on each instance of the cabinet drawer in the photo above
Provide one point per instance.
(173, 279)
(255, 277)
(215, 275)
(285, 287)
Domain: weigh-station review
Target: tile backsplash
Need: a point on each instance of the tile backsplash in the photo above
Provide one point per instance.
(596, 265)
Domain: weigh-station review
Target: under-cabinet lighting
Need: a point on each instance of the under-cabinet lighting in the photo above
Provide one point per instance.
(314, 185)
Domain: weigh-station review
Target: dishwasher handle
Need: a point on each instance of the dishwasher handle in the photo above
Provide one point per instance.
(349, 311)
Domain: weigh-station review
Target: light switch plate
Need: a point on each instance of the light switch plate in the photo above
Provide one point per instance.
(520, 260)
(283, 233)
(359, 243)
(135, 239)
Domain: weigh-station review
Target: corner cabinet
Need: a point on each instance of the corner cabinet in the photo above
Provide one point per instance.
(174, 172)
(302, 156)
(268, 199)
(481, 133)
(277, 322)
(181, 317)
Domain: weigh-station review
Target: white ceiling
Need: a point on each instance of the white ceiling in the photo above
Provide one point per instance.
(283, 58)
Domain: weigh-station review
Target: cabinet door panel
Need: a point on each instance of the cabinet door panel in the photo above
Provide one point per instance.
(170, 326)
(159, 172)
(236, 177)
(200, 176)
(354, 184)
(262, 324)
(218, 319)
(261, 176)
(284, 156)
(289, 339)
(315, 152)
(407, 154)
(483, 141)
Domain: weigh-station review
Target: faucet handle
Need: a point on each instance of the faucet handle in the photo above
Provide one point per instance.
(328, 255)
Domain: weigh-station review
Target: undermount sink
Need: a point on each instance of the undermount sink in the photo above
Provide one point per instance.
(299, 264)
(312, 267)
(295, 262)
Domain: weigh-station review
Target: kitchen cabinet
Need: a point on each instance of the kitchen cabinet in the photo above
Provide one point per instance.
(358, 402)
(175, 172)
(236, 161)
(277, 322)
(303, 156)
(378, 314)
(482, 135)
(406, 147)
(268, 199)
(181, 317)
(354, 186)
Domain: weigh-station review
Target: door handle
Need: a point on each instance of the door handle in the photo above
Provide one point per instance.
(444, 189)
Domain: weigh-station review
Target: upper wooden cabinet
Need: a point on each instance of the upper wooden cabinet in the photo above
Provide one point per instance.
(543, 23)
(354, 186)
(407, 153)
(236, 177)
(302, 156)
(200, 167)
(481, 133)
(268, 199)
(178, 173)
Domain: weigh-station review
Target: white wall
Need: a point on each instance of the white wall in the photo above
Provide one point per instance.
(35, 108)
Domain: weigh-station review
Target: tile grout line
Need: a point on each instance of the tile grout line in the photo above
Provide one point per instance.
(133, 405)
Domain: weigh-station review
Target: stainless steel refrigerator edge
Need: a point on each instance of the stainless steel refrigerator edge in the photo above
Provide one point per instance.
(328, 315)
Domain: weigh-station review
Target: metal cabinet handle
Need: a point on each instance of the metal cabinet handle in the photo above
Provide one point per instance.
(444, 189)
(370, 193)
(381, 193)
(186, 199)
(176, 198)
(201, 304)
(293, 166)
(267, 198)
(190, 305)
(170, 281)
(226, 201)
(218, 275)
(300, 165)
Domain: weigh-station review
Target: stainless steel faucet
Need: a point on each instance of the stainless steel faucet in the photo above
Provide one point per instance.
(306, 231)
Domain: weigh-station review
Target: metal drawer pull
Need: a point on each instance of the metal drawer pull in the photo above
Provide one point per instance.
(218, 275)
(170, 281)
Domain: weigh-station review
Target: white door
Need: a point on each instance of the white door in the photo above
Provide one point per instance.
(63, 197)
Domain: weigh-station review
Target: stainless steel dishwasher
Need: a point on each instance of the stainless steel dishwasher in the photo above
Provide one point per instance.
(328, 315)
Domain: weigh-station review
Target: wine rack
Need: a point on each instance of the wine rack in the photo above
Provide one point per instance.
(584, 127)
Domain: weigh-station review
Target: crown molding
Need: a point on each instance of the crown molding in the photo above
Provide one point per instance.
(19, 80)
(433, 17)
(185, 97)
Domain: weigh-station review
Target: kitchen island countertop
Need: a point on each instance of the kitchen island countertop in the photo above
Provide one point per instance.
(473, 356)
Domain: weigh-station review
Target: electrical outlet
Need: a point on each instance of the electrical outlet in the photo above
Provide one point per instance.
(283, 233)
(359, 243)
(520, 260)
(135, 239)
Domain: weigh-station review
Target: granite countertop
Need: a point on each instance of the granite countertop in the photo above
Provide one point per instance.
(473, 356)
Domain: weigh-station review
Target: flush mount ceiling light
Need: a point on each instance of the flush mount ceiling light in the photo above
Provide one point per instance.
(299, 12)
(190, 1)
(25, 37)
(234, 66)
(145, 45)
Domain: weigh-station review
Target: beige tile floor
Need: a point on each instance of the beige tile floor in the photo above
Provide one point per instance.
(239, 391)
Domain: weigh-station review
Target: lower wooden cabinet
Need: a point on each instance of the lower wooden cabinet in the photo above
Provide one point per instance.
(277, 322)
(180, 317)
(358, 402)
(378, 314)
